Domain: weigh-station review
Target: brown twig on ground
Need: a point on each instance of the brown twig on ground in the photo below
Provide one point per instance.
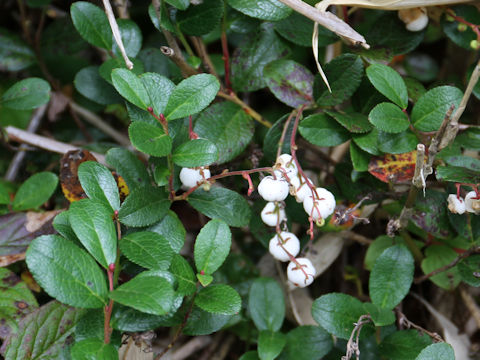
(403, 322)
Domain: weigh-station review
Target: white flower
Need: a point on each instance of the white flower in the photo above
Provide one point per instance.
(299, 188)
(301, 276)
(273, 214)
(286, 241)
(415, 19)
(191, 177)
(456, 205)
(471, 204)
(285, 165)
(322, 207)
(273, 190)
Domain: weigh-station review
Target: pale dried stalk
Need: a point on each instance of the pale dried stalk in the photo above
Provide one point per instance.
(116, 33)
(389, 4)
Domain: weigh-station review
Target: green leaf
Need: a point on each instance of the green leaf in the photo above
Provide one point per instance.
(212, 246)
(193, 153)
(144, 206)
(403, 345)
(66, 272)
(457, 174)
(389, 118)
(90, 84)
(360, 158)
(322, 130)
(308, 343)
(438, 351)
(172, 229)
(92, 24)
(93, 349)
(429, 111)
(159, 88)
(219, 299)
(397, 143)
(353, 122)
(415, 89)
(93, 224)
(376, 248)
(181, 269)
(468, 269)
(91, 325)
(129, 167)
(43, 334)
(162, 21)
(99, 184)
(147, 249)
(191, 96)
(261, 9)
(35, 191)
(380, 316)
(201, 322)
(147, 292)
(391, 277)
(430, 214)
(388, 82)
(344, 73)
(61, 223)
(256, 51)
(368, 142)
(4, 195)
(202, 18)
(179, 4)
(270, 344)
(16, 299)
(337, 313)
(15, 54)
(131, 37)
(290, 82)
(437, 256)
(131, 87)
(226, 125)
(26, 94)
(105, 70)
(204, 280)
(223, 204)
(266, 304)
(299, 29)
(250, 355)
(150, 139)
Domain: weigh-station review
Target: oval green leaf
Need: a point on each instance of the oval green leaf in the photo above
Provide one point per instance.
(131, 87)
(15, 54)
(26, 94)
(397, 143)
(389, 118)
(261, 9)
(66, 272)
(322, 130)
(438, 351)
(388, 82)
(92, 24)
(131, 37)
(90, 84)
(149, 139)
(200, 152)
(219, 299)
(35, 191)
(212, 246)
(270, 344)
(93, 349)
(266, 304)
(147, 249)
(172, 229)
(308, 343)
(201, 18)
(129, 167)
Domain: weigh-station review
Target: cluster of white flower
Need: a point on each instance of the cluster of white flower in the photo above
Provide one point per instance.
(318, 203)
(457, 205)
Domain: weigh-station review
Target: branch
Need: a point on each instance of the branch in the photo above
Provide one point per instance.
(353, 347)
(235, 99)
(404, 322)
(202, 52)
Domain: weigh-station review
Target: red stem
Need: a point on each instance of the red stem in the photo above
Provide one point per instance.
(475, 28)
(226, 60)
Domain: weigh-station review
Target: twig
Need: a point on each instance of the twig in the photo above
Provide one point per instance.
(357, 237)
(470, 304)
(22, 136)
(448, 266)
(403, 322)
(434, 147)
(202, 52)
(191, 347)
(353, 347)
(17, 160)
(98, 122)
(122, 8)
(116, 33)
(235, 99)
(284, 132)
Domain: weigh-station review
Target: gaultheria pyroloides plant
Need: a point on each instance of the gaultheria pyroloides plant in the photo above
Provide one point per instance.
(228, 192)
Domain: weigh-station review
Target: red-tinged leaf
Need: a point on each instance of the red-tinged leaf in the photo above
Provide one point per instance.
(393, 168)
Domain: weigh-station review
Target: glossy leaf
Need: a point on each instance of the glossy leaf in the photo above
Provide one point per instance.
(391, 277)
(368, 142)
(308, 343)
(219, 299)
(26, 94)
(337, 313)
(403, 345)
(15, 54)
(131, 87)
(290, 82)
(92, 24)
(184, 274)
(468, 269)
(201, 322)
(212, 246)
(172, 229)
(376, 248)
(266, 304)
(270, 344)
(129, 167)
(131, 37)
(397, 143)
(394, 168)
(380, 316)
(223, 204)
(35, 191)
(438, 351)
(93, 349)
(344, 73)
(228, 127)
(360, 159)
(159, 88)
(202, 18)
(147, 249)
(457, 174)
(322, 130)
(146, 292)
(353, 122)
(429, 111)
(249, 59)
(191, 96)
(261, 9)
(93, 224)
(43, 334)
(99, 184)
(199, 152)
(105, 70)
(90, 84)
(388, 82)
(66, 272)
(144, 206)
(150, 139)
(437, 256)
(389, 118)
